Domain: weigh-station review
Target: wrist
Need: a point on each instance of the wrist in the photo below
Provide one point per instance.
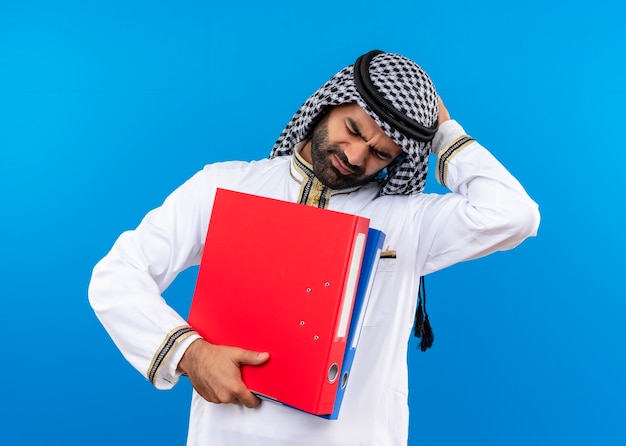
(187, 359)
(448, 131)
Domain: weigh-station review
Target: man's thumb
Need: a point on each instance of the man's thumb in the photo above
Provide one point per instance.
(253, 358)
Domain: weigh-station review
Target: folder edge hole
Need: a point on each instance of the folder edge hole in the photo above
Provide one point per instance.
(344, 379)
(333, 372)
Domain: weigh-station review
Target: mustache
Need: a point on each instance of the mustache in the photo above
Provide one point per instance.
(356, 170)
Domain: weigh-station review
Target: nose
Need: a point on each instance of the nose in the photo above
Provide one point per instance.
(356, 152)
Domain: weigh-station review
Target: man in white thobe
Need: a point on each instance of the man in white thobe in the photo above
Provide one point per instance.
(360, 145)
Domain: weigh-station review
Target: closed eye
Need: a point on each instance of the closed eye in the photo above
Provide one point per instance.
(354, 130)
(380, 154)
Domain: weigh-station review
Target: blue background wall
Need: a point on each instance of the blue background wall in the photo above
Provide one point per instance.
(107, 106)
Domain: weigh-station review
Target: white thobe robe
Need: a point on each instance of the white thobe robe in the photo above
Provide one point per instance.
(486, 210)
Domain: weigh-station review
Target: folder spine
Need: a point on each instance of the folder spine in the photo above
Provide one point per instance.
(371, 257)
(330, 382)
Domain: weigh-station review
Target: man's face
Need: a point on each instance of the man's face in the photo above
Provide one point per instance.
(348, 148)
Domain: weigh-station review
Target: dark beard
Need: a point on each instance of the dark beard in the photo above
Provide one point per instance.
(323, 168)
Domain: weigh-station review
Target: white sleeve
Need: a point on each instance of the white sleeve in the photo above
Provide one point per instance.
(487, 209)
(126, 285)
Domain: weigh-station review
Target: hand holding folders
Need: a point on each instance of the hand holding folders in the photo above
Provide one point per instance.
(215, 372)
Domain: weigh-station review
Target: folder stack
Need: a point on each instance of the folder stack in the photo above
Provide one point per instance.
(292, 280)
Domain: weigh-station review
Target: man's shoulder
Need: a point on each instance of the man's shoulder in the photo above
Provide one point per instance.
(251, 165)
(402, 203)
(236, 174)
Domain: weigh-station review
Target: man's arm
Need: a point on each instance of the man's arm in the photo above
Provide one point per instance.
(126, 294)
(486, 210)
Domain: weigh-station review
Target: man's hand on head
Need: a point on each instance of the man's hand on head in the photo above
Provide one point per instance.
(215, 372)
(444, 115)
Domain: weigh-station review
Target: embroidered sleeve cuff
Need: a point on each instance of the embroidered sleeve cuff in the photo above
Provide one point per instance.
(447, 154)
(163, 373)
(448, 132)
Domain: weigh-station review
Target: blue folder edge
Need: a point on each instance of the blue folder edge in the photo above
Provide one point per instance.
(371, 256)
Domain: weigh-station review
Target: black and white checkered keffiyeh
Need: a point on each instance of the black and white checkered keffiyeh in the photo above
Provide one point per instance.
(398, 81)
